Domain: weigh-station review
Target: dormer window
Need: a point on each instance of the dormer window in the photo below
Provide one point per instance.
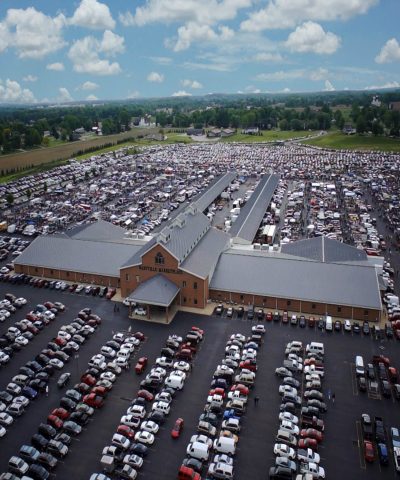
(159, 259)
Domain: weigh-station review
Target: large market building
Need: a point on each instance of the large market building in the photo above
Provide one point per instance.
(191, 263)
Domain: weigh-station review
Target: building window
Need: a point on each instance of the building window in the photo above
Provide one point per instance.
(184, 283)
(366, 312)
(195, 301)
(339, 309)
(195, 285)
(52, 272)
(127, 277)
(159, 259)
(241, 298)
(67, 274)
(184, 299)
(137, 278)
(36, 269)
(313, 306)
(288, 303)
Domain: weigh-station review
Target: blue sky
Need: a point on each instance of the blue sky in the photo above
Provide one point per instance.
(64, 50)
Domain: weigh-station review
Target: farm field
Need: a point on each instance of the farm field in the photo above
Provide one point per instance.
(355, 142)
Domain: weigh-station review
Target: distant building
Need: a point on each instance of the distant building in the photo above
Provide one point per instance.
(227, 132)
(251, 131)
(348, 129)
(395, 106)
(375, 101)
(194, 131)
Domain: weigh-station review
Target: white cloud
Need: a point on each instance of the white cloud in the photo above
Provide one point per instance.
(193, 84)
(91, 98)
(64, 95)
(319, 74)
(161, 60)
(194, 32)
(390, 52)
(93, 14)
(155, 77)
(268, 57)
(169, 11)
(88, 86)
(12, 92)
(281, 75)
(213, 66)
(85, 54)
(289, 13)
(134, 94)
(31, 33)
(181, 93)
(311, 37)
(252, 89)
(30, 78)
(329, 87)
(393, 84)
(56, 67)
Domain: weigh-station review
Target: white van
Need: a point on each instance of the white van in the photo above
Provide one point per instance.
(360, 369)
(225, 445)
(175, 382)
(328, 324)
(198, 450)
(315, 347)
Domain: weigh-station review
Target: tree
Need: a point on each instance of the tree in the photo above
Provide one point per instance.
(10, 198)
(29, 193)
(283, 124)
(296, 124)
(361, 125)
(377, 128)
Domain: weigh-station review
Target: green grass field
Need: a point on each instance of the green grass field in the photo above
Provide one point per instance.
(355, 142)
(267, 136)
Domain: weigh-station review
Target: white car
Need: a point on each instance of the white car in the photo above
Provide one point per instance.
(132, 340)
(58, 364)
(6, 419)
(164, 362)
(140, 311)
(3, 431)
(128, 346)
(75, 347)
(4, 358)
(137, 411)
(130, 421)
(65, 335)
(119, 337)
(161, 406)
(108, 352)
(149, 426)
(5, 313)
(238, 336)
(289, 427)
(111, 377)
(347, 326)
(283, 450)
(49, 315)
(231, 424)
(308, 455)
(201, 439)
(289, 417)
(260, 329)
(4, 270)
(182, 365)
(178, 373)
(98, 358)
(295, 357)
(14, 331)
(161, 372)
(133, 460)
(237, 395)
(144, 437)
(315, 470)
(21, 340)
(13, 388)
(21, 400)
(284, 389)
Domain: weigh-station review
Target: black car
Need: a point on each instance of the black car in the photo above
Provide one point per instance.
(210, 418)
(42, 376)
(37, 472)
(47, 460)
(68, 404)
(196, 465)
(240, 312)
(356, 327)
(280, 473)
(138, 449)
(321, 324)
(389, 330)
(33, 365)
(219, 383)
(302, 321)
(5, 397)
(362, 384)
(157, 417)
(38, 385)
(276, 317)
(80, 418)
(366, 329)
(167, 352)
(27, 371)
(39, 441)
(73, 395)
(47, 430)
(288, 407)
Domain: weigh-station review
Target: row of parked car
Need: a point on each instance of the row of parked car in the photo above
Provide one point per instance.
(9, 305)
(139, 425)
(379, 376)
(375, 441)
(53, 439)
(220, 423)
(300, 426)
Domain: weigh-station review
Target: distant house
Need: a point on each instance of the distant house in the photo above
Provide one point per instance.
(227, 132)
(194, 131)
(214, 133)
(375, 101)
(348, 129)
(395, 106)
(77, 134)
(251, 131)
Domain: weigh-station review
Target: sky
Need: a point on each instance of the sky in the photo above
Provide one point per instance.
(72, 50)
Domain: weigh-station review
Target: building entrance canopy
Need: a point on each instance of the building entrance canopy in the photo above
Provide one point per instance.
(158, 290)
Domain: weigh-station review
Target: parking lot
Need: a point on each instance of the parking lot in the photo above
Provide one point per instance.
(340, 450)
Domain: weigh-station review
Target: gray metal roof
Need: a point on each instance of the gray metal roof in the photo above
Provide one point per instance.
(246, 225)
(98, 231)
(203, 259)
(84, 256)
(324, 249)
(333, 283)
(158, 290)
(214, 190)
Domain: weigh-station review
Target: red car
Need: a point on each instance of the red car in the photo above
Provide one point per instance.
(311, 322)
(32, 317)
(126, 431)
(111, 292)
(61, 342)
(60, 413)
(369, 452)
(93, 400)
(311, 433)
(177, 428)
(55, 422)
(88, 379)
(305, 443)
(141, 365)
(217, 391)
(381, 359)
(83, 388)
(140, 336)
(249, 364)
(49, 305)
(149, 397)
(242, 388)
(268, 316)
(102, 391)
(197, 329)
